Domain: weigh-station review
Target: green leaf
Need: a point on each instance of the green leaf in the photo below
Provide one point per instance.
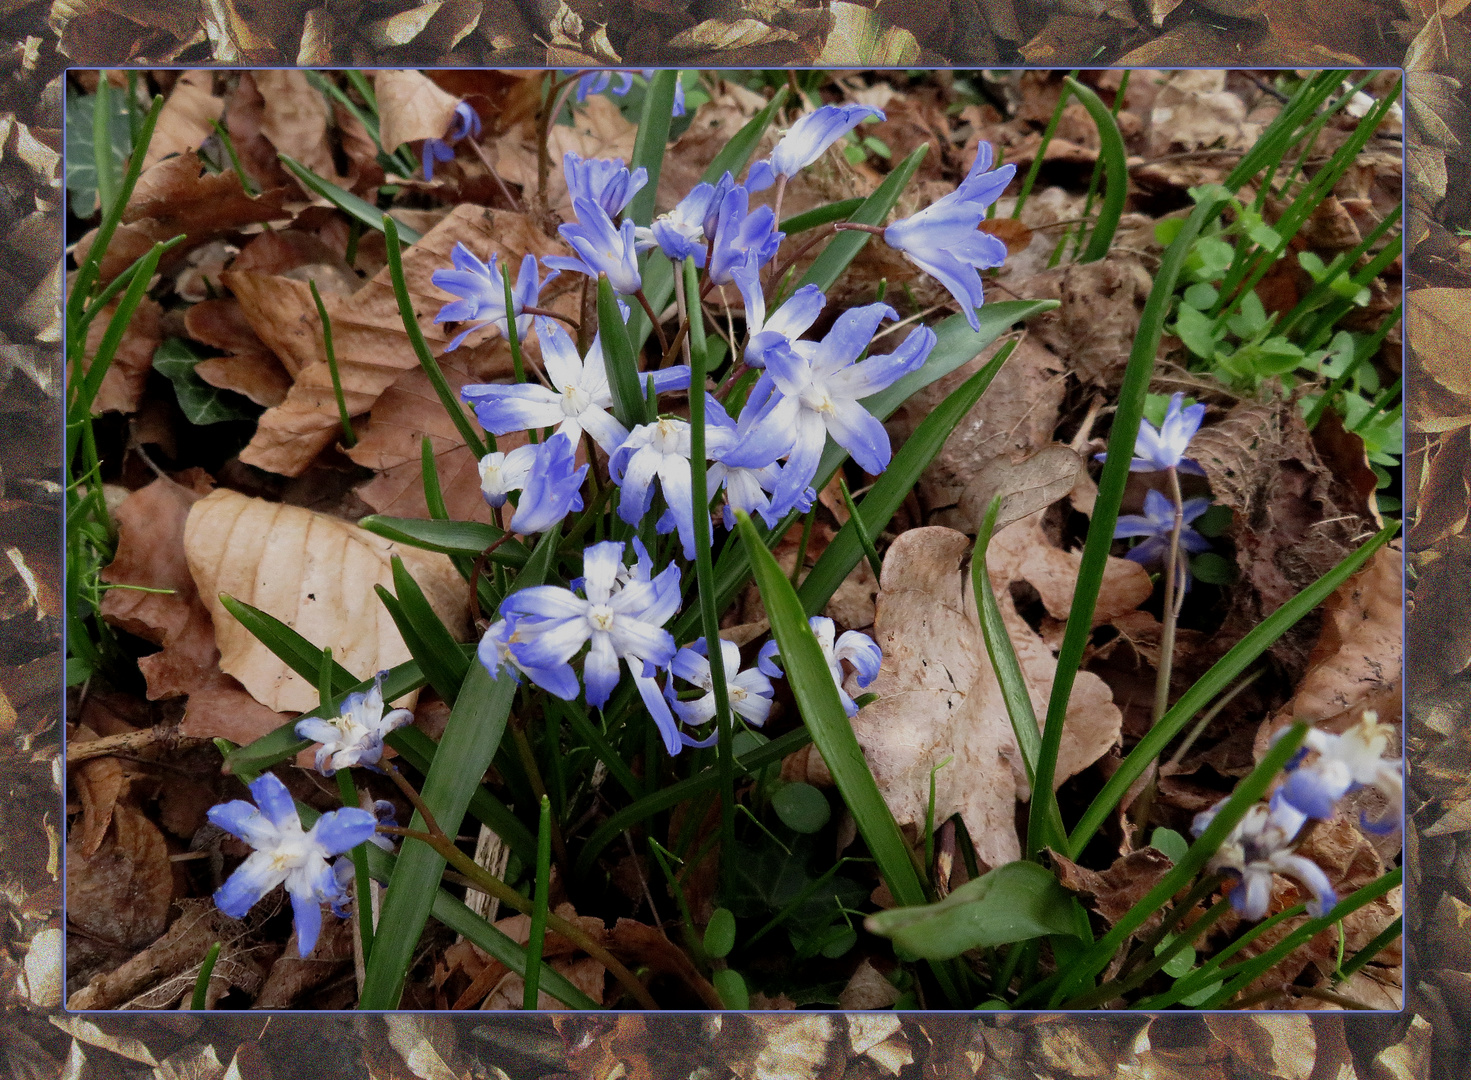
(822, 712)
(1215, 520)
(1116, 172)
(720, 933)
(650, 141)
(448, 537)
(1212, 569)
(346, 201)
(201, 403)
(81, 162)
(840, 251)
(1196, 330)
(821, 215)
(731, 988)
(1169, 843)
(1014, 902)
(801, 807)
(629, 405)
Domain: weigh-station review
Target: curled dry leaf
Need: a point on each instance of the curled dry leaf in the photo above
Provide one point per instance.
(1112, 892)
(98, 784)
(411, 107)
(1026, 486)
(938, 696)
(252, 369)
(314, 573)
(179, 196)
(121, 892)
(372, 348)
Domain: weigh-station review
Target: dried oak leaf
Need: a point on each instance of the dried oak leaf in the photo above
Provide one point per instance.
(938, 695)
(1442, 321)
(314, 573)
(1280, 1047)
(121, 892)
(411, 107)
(1114, 891)
(179, 196)
(372, 347)
(150, 554)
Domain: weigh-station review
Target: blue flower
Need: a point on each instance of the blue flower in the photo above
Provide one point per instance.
(659, 450)
(618, 620)
(595, 82)
(552, 486)
(680, 234)
(1345, 763)
(813, 389)
(805, 141)
(749, 691)
(1156, 523)
(943, 239)
(482, 294)
(790, 321)
(602, 248)
(385, 814)
(1157, 449)
(605, 182)
(860, 650)
(1257, 848)
(465, 122)
(744, 238)
(581, 398)
(285, 854)
(503, 472)
(746, 485)
(355, 735)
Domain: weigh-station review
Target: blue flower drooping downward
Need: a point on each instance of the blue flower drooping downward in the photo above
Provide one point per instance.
(1257, 848)
(1345, 763)
(805, 141)
(943, 239)
(1157, 523)
(482, 294)
(552, 487)
(465, 122)
(603, 181)
(858, 649)
(284, 854)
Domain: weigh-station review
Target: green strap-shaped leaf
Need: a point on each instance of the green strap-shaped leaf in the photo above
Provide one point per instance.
(1116, 171)
(650, 141)
(619, 360)
(448, 537)
(471, 737)
(346, 201)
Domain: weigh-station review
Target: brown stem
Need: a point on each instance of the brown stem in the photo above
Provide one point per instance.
(818, 235)
(669, 353)
(511, 200)
(477, 570)
(548, 313)
(849, 226)
(653, 318)
(735, 373)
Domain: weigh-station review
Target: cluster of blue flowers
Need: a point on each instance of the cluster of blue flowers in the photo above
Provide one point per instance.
(1262, 843)
(1160, 450)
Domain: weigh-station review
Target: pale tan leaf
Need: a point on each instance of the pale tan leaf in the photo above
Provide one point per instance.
(40, 976)
(86, 1031)
(718, 34)
(1441, 323)
(426, 1043)
(411, 107)
(1025, 486)
(861, 37)
(296, 119)
(314, 573)
(598, 129)
(187, 118)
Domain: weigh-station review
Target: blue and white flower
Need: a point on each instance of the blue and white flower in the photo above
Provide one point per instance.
(482, 294)
(805, 141)
(943, 239)
(789, 322)
(749, 692)
(680, 234)
(602, 248)
(1257, 848)
(464, 122)
(284, 854)
(661, 451)
(355, 735)
(860, 650)
(605, 182)
(746, 487)
(1345, 763)
(811, 390)
(1157, 523)
(581, 398)
(552, 487)
(1158, 449)
(595, 82)
(743, 238)
(618, 621)
(502, 472)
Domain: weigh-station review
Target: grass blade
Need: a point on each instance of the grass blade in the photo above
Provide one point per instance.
(1009, 675)
(1116, 168)
(1106, 509)
(1226, 670)
(650, 142)
(448, 537)
(429, 626)
(295, 651)
(841, 210)
(540, 899)
(841, 249)
(347, 202)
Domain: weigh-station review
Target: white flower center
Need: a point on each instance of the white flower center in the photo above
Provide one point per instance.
(600, 616)
(575, 400)
(816, 398)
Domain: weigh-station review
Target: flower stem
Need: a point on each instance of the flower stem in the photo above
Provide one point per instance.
(539, 908)
(654, 319)
(802, 545)
(685, 285)
(349, 792)
(1172, 602)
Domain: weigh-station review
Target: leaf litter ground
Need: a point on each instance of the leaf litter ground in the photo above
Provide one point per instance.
(271, 497)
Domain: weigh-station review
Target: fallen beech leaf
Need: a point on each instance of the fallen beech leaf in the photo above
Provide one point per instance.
(314, 573)
(411, 107)
(121, 893)
(598, 129)
(98, 784)
(1442, 321)
(372, 348)
(292, 976)
(122, 386)
(719, 34)
(861, 36)
(89, 1033)
(40, 976)
(1016, 236)
(1025, 486)
(187, 117)
(150, 554)
(1054, 573)
(295, 120)
(1115, 890)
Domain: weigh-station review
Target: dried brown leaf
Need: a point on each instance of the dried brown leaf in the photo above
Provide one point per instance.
(121, 892)
(122, 386)
(411, 107)
(98, 784)
(187, 118)
(316, 574)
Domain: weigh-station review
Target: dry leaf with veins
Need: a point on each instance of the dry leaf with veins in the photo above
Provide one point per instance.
(187, 117)
(411, 107)
(938, 696)
(316, 574)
